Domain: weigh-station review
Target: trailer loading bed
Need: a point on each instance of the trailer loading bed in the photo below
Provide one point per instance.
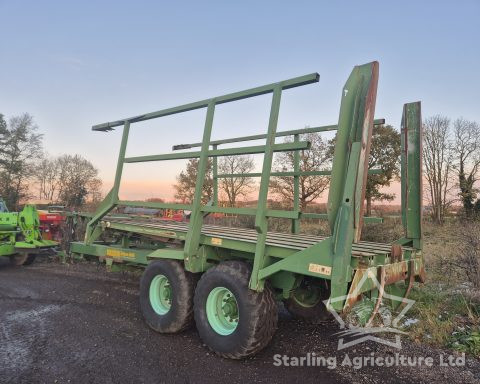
(166, 228)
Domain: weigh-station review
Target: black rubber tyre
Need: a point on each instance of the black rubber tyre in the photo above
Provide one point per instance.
(182, 285)
(18, 259)
(22, 259)
(313, 312)
(30, 259)
(257, 311)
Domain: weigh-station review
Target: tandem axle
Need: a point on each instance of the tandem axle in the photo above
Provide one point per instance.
(228, 280)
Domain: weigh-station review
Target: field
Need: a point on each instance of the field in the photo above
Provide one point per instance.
(76, 323)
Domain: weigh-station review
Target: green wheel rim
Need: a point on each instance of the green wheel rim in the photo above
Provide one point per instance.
(307, 298)
(160, 294)
(222, 311)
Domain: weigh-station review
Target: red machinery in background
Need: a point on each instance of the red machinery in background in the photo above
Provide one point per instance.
(52, 218)
(174, 215)
(51, 221)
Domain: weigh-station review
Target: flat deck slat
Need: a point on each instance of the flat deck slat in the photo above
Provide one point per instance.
(245, 235)
(223, 234)
(285, 240)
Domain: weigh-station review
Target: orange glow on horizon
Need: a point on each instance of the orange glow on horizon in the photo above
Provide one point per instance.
(143, 189)
(146, 189)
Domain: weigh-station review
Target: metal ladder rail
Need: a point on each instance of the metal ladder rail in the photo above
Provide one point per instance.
(192, 244)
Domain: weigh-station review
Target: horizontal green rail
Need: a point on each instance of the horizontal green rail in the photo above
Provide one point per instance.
(324, 216)
(302, 131)
(152, 204)
(238, 211)
(288, 173)
(220, 152)
(258, 174)
(252, 212)
(262, 90)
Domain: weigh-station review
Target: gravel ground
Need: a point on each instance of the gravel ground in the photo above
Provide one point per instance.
(79, 324)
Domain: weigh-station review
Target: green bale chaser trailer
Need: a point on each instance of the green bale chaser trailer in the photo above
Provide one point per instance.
(228, 280)
(20, 237)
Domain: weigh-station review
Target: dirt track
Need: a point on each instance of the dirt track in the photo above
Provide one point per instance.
(80, 324)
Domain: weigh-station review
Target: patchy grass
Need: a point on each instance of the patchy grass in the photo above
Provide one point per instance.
(442, 246)
(448, 305)
(467, 341)
(449, 317)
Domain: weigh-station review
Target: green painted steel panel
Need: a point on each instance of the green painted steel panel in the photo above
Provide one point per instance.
(411, 170)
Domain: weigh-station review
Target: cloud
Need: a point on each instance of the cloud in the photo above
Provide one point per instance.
(71, 62)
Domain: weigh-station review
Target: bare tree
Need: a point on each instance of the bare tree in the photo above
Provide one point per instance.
(20, 148)
(235, 187)
(467, 259)
(187, 180)
(77, 179)
(316, 158)
(68, 180)
(467, 156)
(94, 190)
(437, 158)
(46, 178)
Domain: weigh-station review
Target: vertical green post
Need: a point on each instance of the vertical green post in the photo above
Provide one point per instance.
(355, 124)
(121, 158)
(411, 172)
(112, 197)
(296, 186)
(215, 179)
(196, 219)
(261, 221)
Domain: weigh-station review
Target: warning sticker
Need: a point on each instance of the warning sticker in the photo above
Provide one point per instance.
(216, 241)
(317, 268)
(118, 253)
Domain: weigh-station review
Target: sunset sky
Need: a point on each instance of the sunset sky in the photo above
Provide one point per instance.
(75, 64)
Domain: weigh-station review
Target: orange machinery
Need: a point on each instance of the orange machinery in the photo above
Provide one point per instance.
(50, 224)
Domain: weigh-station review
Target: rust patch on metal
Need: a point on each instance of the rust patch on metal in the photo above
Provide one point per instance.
(421, 276)
(356, 279)
(396, 253)
(381, 291)
(359, 274)
(396, 272)
(411, 279)
(352, 300)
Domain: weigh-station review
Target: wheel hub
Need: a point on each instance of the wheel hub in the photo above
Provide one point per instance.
(160, 294)
(307, 297)
(222, 311)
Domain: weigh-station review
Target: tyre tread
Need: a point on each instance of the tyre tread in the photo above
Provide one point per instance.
(262, 306)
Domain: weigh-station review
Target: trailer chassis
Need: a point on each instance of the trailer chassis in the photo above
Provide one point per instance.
(300, 269)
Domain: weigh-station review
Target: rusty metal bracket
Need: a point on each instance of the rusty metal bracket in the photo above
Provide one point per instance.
(381, 292)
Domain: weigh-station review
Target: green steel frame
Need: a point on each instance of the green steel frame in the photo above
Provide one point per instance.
(340, 258)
